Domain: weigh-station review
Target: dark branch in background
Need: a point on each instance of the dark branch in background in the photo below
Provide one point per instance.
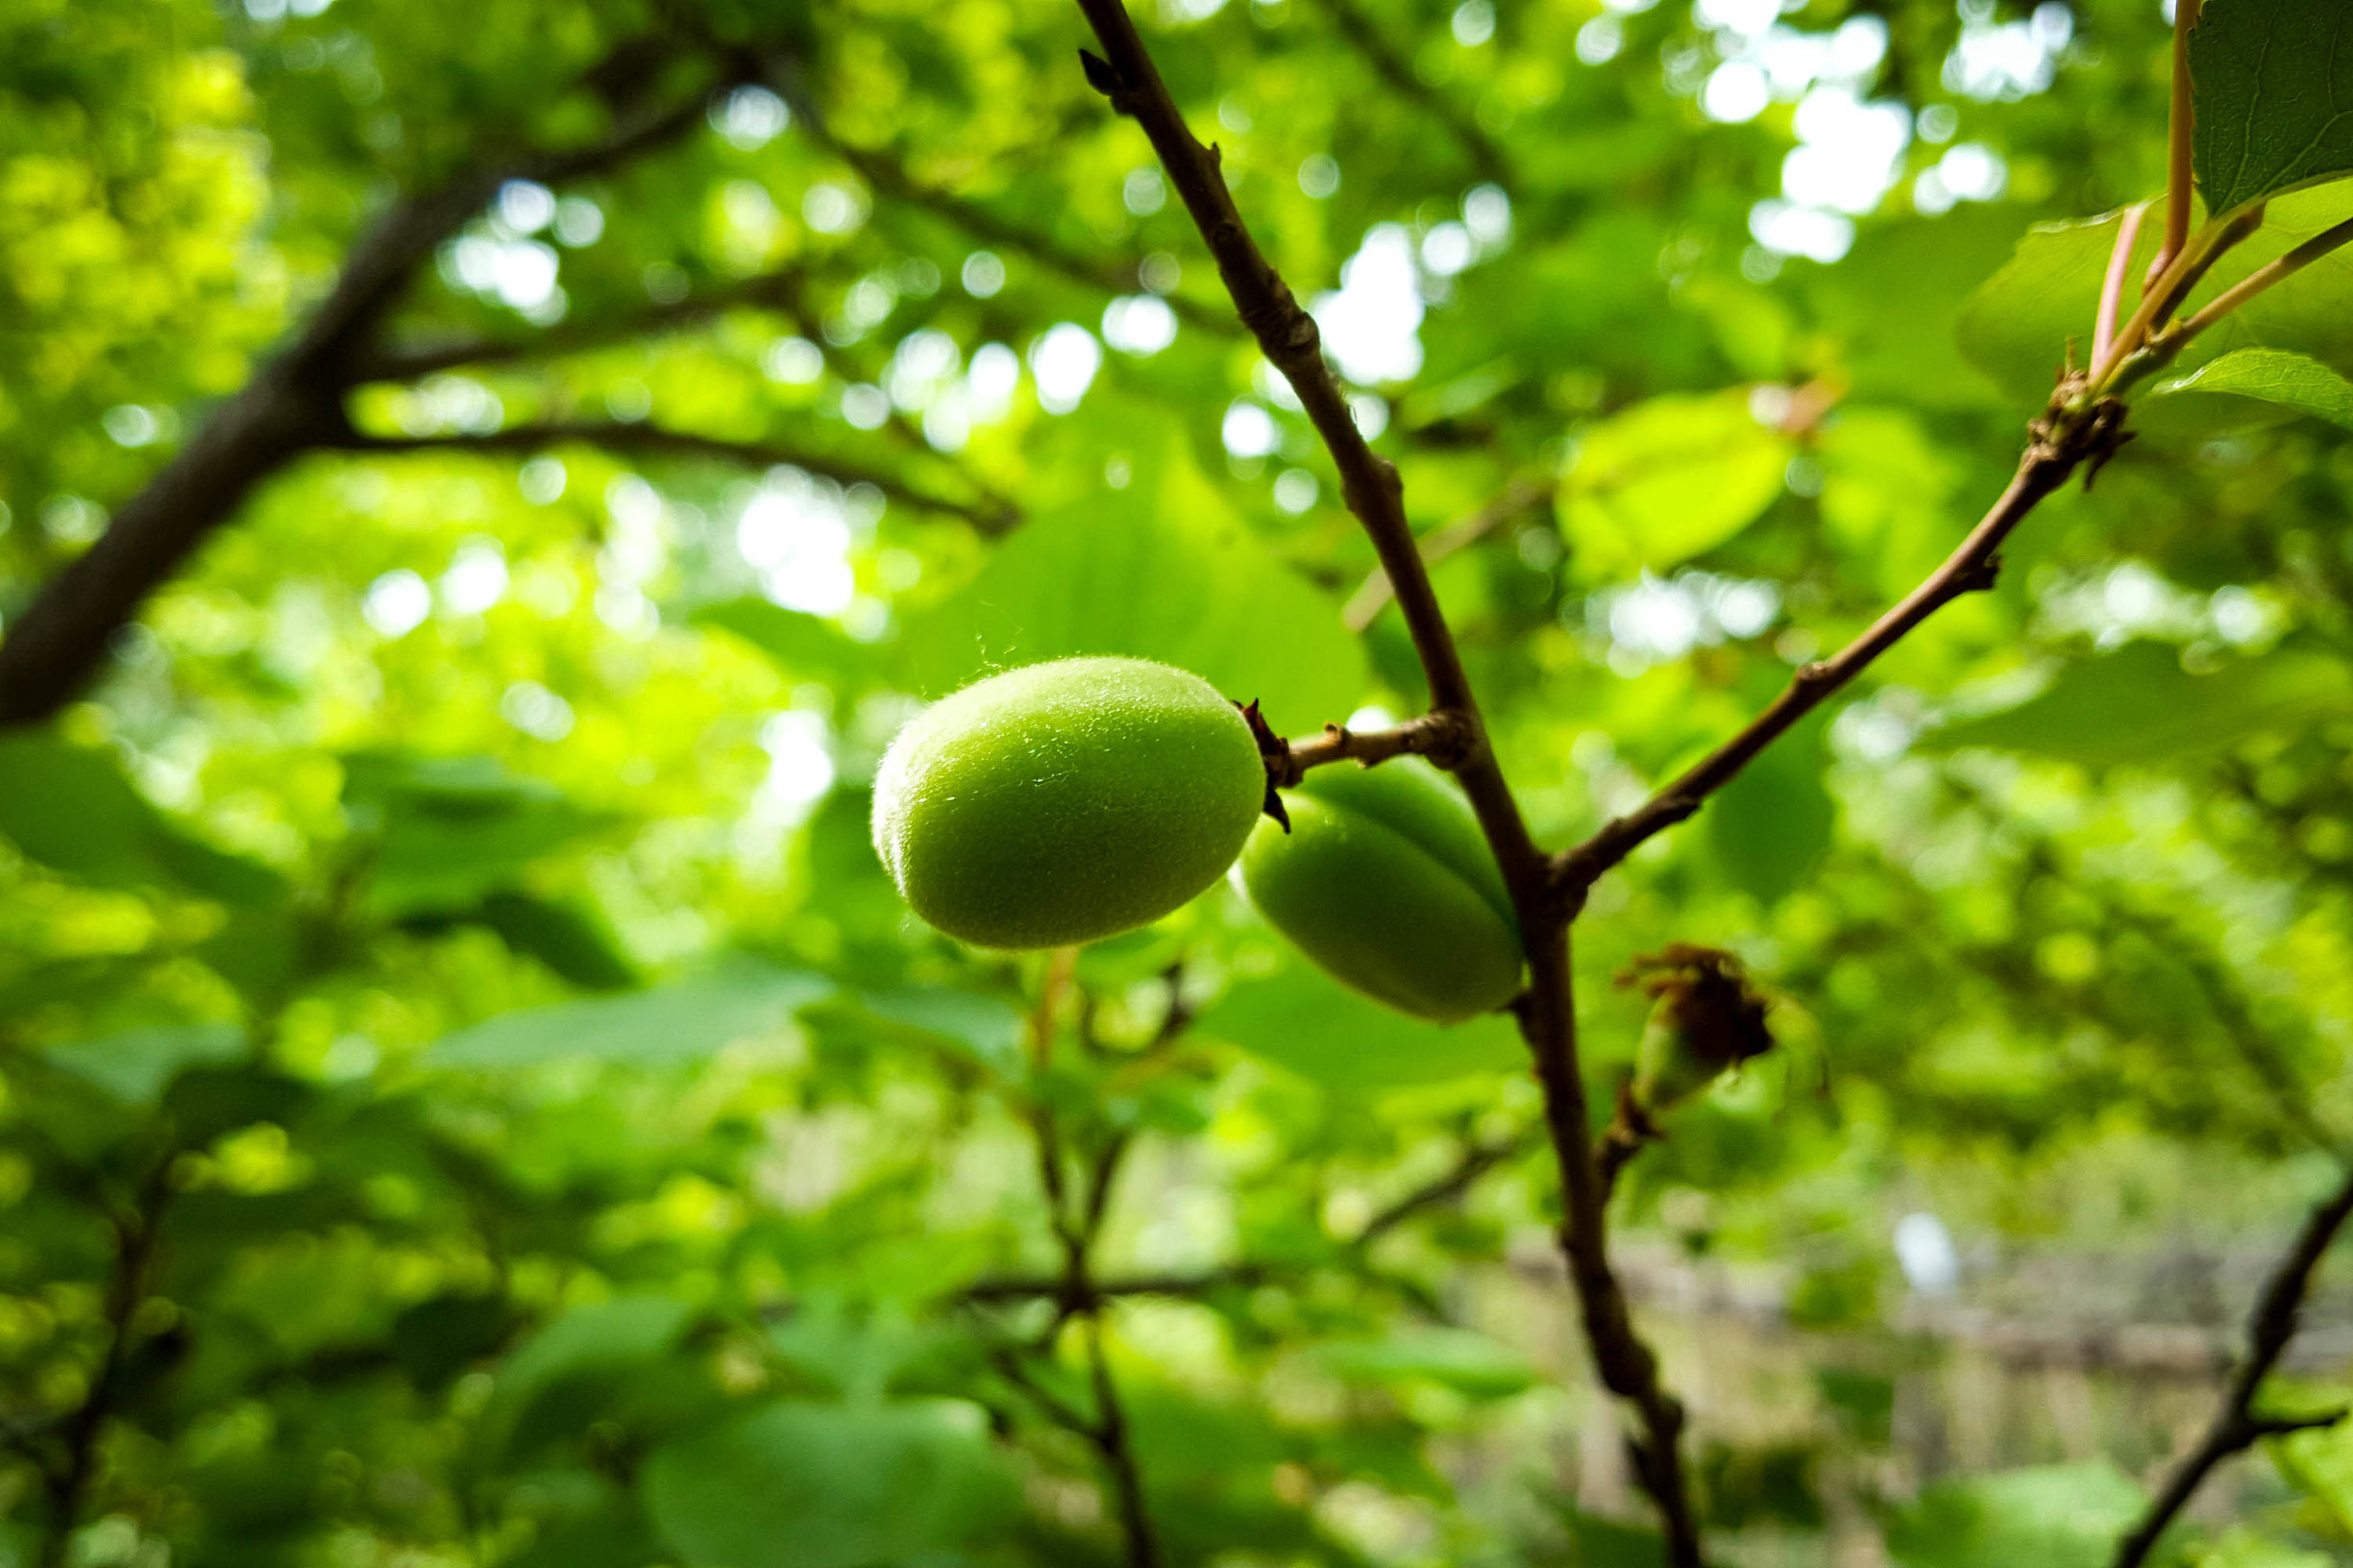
(615, 435)
(1521, 496)
(1369, 485)
(1475, 1162)
(2235, 1427)
(1077, 1227)
(293, 404)
(1488, 158)
(888, 176)
(778, 290)
(2255, 1048)
(2062, 441)
(136, 1233)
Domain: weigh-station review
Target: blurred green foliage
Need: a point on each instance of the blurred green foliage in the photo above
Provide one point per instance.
(469, 1096)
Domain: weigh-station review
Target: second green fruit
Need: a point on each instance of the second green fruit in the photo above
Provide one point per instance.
(1387, 883)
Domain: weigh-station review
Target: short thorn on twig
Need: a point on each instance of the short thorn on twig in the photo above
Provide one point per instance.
(1981, 576)
(1282, 770)
(1104, 77)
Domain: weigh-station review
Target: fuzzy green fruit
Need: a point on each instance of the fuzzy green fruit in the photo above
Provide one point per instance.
(1065, 802)
(1385, 882)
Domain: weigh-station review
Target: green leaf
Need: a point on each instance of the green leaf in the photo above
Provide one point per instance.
(138, 1064)
(985, 1028)
(70, 808)
(1769, 827)
(571, 942)
(807, 1485)
(569, 1364)
(2139, 705)
(799, 644)
(2265, 375)
(2274, 86)
(1467, 1362)
(1665, 481)
(1326, 1033)
(2056, 1516)
(671, 1024)
(1163, 571)
(451, 830)
(2018, 325)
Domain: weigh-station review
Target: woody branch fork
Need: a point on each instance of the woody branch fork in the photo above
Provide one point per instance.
(1369, 484)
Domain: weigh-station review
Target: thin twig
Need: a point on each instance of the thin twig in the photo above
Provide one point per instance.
(2164, 297)
(2060, 444)
(1475, 1162)
(1033, 1287)
(1370, 486)
(2235, 1426)
(617, 435)
(2179, 145)
(1525, 495)
(1440, 735)
(1077, 1295)
(2112, 287)
(776, 290)
(136, 1235)
(1111, 1441)
(2261, 279)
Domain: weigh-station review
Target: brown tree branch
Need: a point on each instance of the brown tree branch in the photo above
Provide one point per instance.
(293, 404)
(1370, 486)
(615, 435)
(2064, 439)
(1365, 604)
(2235, 1426)
(1441, 735)
(1488, 158)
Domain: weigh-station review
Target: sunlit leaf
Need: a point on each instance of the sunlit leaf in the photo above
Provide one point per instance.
(2291, 382)
(2273, 80)
(2139, 705)
(1770, 825)
(663, 1027)
(1160, 571)
(70, 808)
(1469, 1363)
(2060, 1516)
(451, 830)
(136, 1065)
(1666, 481)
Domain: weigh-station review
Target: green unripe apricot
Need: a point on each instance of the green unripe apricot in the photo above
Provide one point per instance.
(1065, 802)
(1387, 883)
